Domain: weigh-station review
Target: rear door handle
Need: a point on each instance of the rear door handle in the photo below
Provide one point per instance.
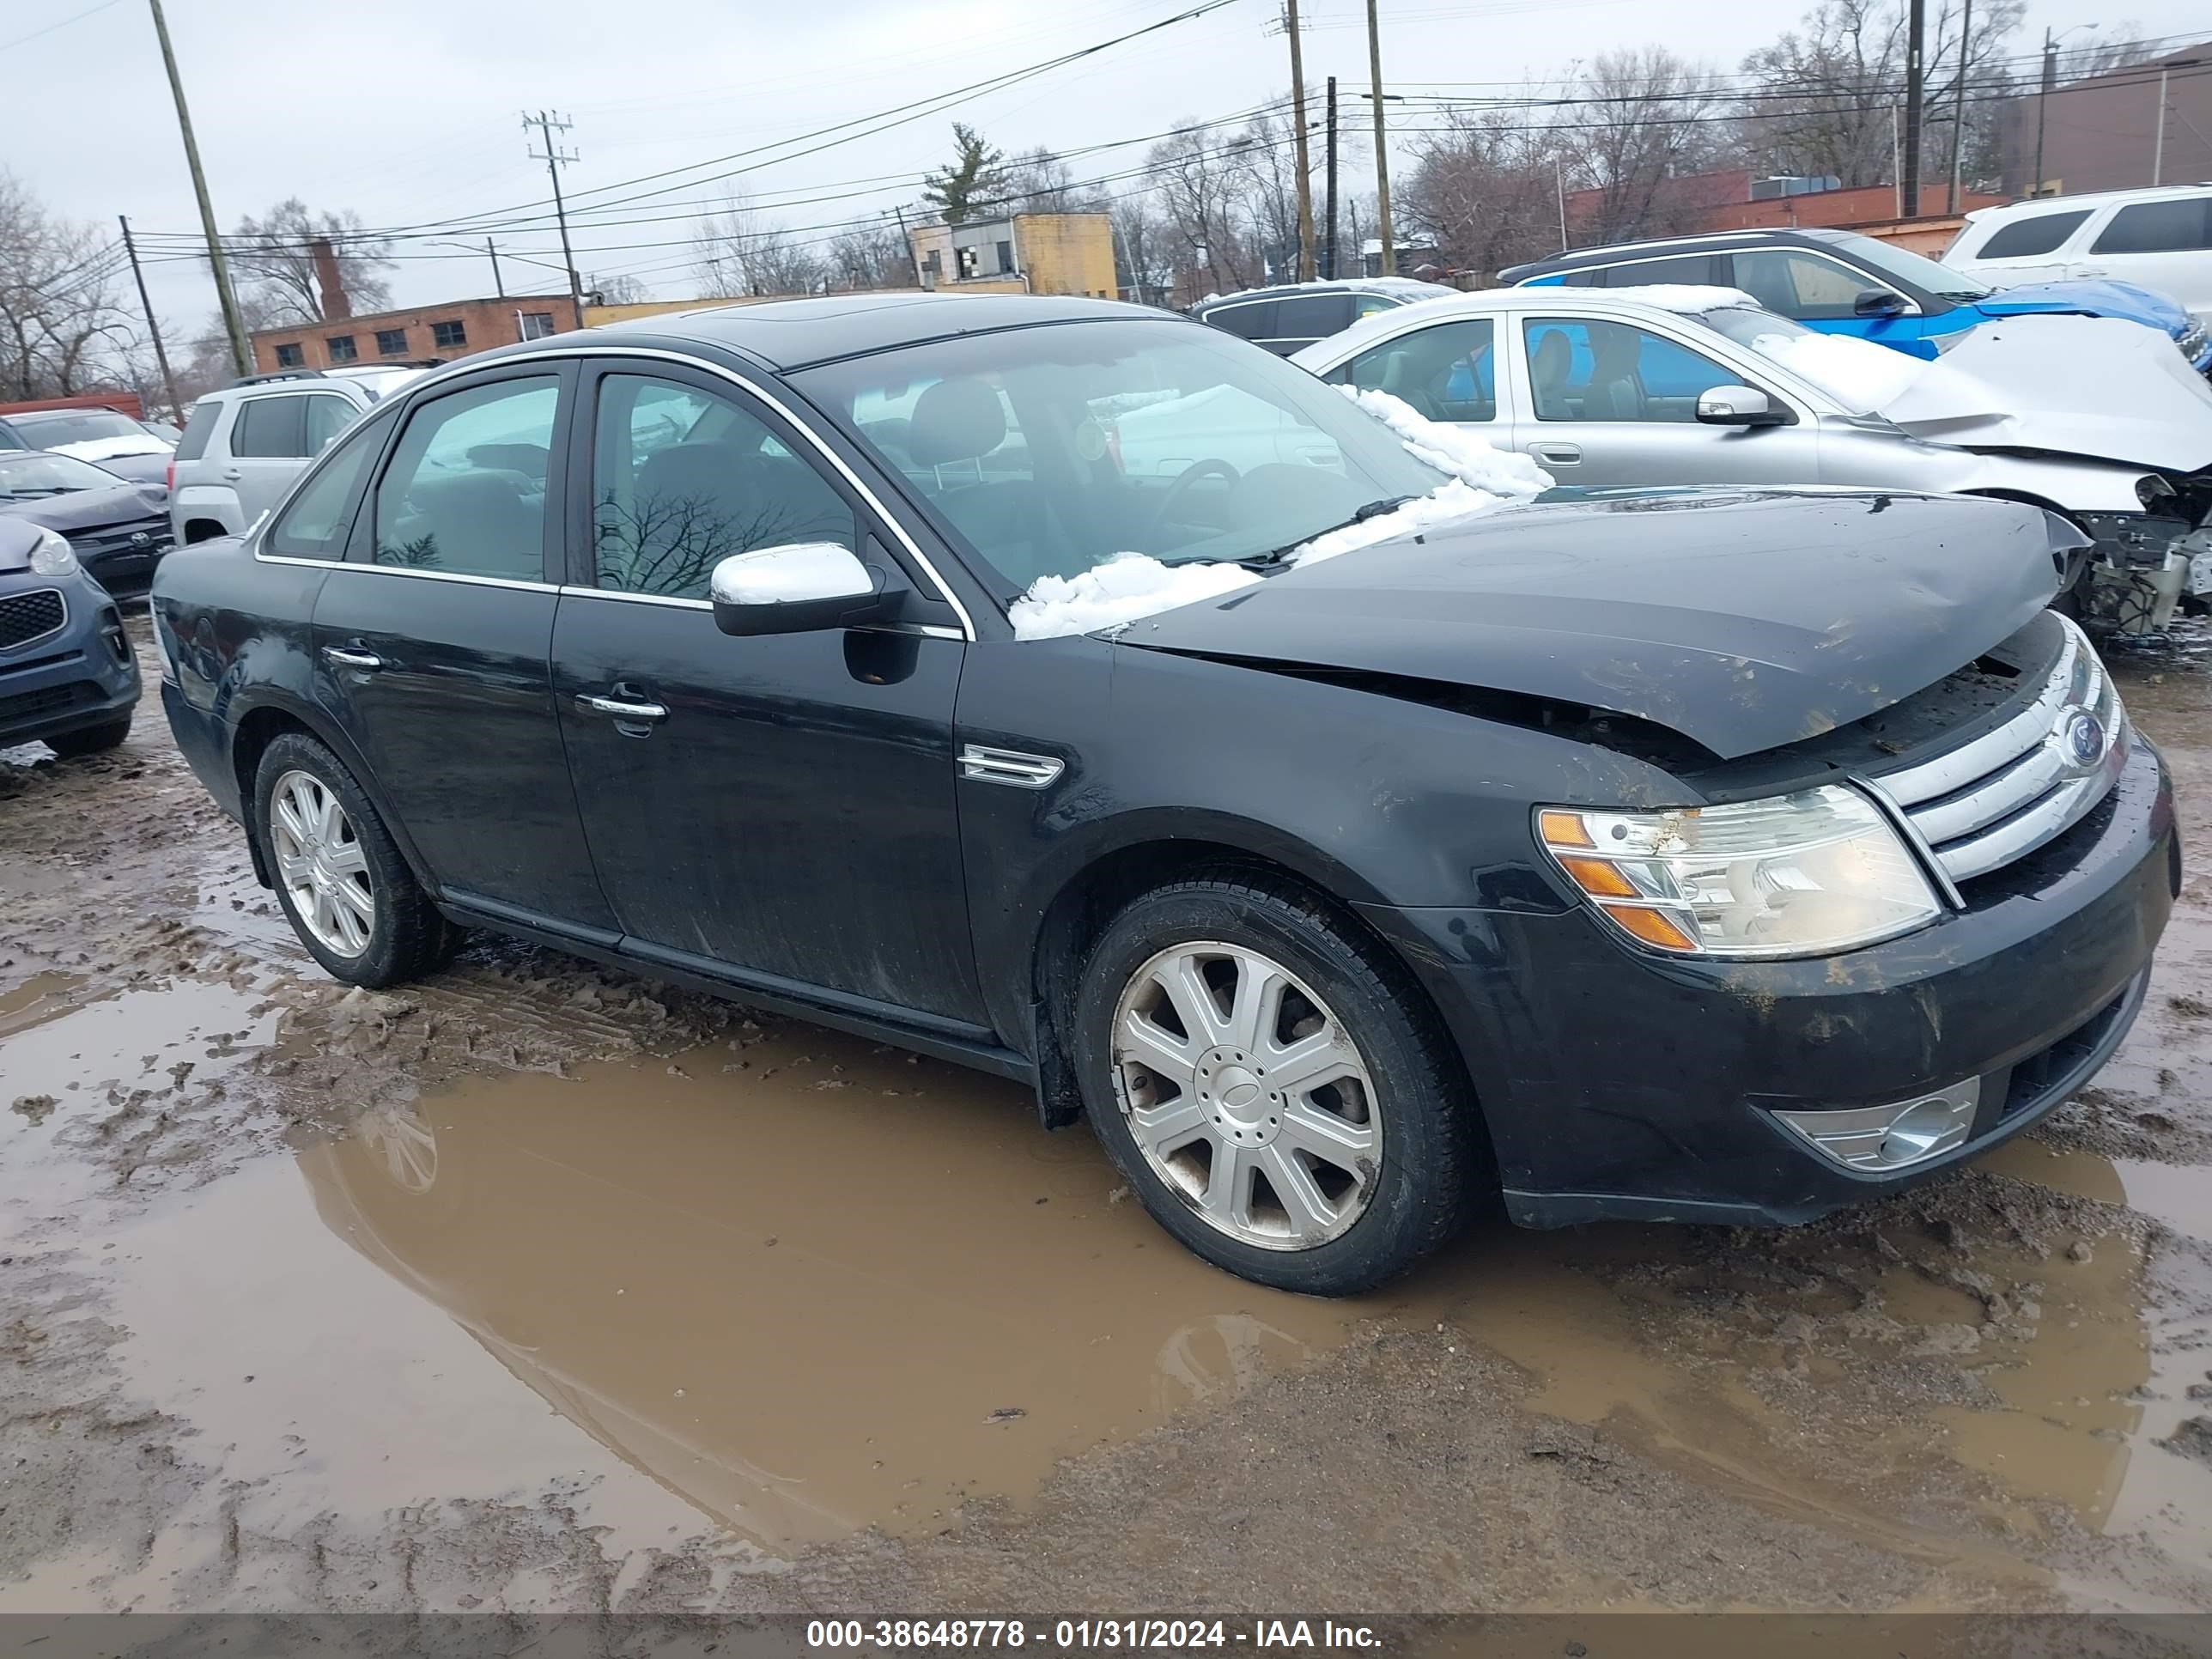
(232, 475)
(1557, 454)
(621, 708)
(344, 656)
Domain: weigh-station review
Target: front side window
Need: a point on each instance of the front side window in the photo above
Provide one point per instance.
(313, 527)
(326, 418)
(1583, 369)
(1801, 285)
(1047, 450)
(342, 348)
(447, 335)
(391, 342)
(465, 493)
(1447, 372)
(2039, 233)
(2182, 227)
(269, 428)
(682, 478)
(1901, 268)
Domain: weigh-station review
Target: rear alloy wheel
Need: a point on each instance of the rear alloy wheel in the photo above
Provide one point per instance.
(338, 875)
(1274, 1086)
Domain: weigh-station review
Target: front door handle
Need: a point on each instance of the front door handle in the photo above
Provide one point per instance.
(1556, 454)
(621, 708)
(345, 656)
(232, 475)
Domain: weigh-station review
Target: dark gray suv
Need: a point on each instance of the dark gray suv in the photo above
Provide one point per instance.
(67, 673)
(1292, 317)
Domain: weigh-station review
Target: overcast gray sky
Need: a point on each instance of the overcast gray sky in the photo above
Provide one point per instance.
(409, 110)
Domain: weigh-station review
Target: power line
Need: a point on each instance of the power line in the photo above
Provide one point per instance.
(74, 18)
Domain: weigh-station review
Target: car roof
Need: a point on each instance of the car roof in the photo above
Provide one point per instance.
(790, 334)
(2091, 199)
(1623, 302)
(1395, 287)
(1717, 241)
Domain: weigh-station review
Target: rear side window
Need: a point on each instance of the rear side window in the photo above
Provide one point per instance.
(1447, 372)
(199, 426)
(313, 527)
(271, 427)
(2039, 233)
(1310, 317)
(2183, 227)
(1253, 320)
(1696, 268)
(465, 490)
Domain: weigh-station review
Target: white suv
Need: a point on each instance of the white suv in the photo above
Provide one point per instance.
(245, 443)
(2158, 238)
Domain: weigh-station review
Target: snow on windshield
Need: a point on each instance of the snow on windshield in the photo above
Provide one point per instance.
(1131, 586)
(1859, 375)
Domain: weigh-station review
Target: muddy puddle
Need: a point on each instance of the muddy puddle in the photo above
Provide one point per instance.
(792, 1285)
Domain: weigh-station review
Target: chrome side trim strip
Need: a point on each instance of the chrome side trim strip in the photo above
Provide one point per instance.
(1011, 767)
(945, 590)
(924, 630)
(409, 570)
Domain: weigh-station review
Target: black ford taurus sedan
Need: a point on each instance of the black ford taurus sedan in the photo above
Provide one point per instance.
(1724, 857)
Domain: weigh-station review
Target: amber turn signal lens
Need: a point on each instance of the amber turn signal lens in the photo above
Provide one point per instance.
(1652, 927)
(1597, 878)
(1563, 829)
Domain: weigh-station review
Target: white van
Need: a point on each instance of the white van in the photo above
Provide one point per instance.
(2158, 238)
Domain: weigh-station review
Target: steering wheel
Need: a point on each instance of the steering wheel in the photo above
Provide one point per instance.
(1185, 478)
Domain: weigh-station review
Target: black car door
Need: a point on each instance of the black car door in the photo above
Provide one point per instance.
(432, 642)
(781, 805)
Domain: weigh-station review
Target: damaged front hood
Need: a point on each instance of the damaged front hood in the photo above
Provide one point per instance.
(2077, 386)
(1742, 620)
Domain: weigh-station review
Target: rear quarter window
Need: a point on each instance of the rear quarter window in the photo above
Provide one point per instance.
(2039, 233)
(199, 426)
(314, 522)
(270, 428)
(1311, 316)
(1255, 319)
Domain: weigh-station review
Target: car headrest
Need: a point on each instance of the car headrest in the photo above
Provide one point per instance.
(1554, 358)
(958, 420)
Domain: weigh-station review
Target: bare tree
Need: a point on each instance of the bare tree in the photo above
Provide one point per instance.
(1144, 262)
(1269, 173)
(619, 289)
(739, 251)
(869, 256)
(272, 258)
(1484, 191)
(1829, 94)
(1646, 119)
(62, 326)
(1201, 181)
(1038, 181)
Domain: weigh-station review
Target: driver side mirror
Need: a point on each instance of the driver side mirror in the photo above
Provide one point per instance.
(796, 588)
(1739, 405)
(1878, 303)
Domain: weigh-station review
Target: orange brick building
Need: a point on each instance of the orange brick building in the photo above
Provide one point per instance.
(444, 332)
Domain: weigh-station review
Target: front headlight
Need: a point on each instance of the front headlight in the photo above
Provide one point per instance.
(52, 556)
(1801, 875)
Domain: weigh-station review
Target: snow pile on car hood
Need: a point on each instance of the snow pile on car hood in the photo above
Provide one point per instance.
(1134, 584)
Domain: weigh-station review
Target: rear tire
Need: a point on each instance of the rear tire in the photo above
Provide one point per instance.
(1366, 1124)
(90, 739)
(338, 875)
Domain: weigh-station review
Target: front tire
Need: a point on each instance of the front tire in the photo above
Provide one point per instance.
(339, 876)
(1273, 1086)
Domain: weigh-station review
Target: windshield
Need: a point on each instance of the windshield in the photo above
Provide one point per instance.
(1914, 271)
(35, 472)
(75, 426)
(1857, 373)
(1049, 451)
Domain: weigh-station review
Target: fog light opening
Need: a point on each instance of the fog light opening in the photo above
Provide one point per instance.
(1892, 1136)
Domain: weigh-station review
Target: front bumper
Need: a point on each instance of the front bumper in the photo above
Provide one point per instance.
(1617, 1083)
(72, 679)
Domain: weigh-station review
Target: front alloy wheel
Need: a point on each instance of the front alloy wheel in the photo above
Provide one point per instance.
(321, 861)
(1245, 1093)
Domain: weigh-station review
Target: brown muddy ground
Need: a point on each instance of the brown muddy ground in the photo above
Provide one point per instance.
(538, 1287)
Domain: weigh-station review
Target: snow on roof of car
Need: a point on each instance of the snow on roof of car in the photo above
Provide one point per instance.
(1691, 297)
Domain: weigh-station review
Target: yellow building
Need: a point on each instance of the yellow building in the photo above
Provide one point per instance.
(1028, 254)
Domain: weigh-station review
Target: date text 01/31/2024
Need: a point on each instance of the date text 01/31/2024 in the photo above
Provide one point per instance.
(1173, 1634)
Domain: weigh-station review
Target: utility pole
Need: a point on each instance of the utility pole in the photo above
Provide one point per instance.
(1298, 124)
(1328, 212)
(1914, 27)
(1958, 103)
(554, 157)
(2158, 144)
(498, 286)
(153, 328)
(913, 257)
(1559, 186)
(2043, 104)
(241, 350)
(1382, 148)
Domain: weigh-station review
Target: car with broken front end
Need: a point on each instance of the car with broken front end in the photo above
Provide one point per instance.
(1350, 847)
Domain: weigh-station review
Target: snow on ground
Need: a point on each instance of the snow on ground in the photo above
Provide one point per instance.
(1133, 584)
(1683, 296)
(1860, 374)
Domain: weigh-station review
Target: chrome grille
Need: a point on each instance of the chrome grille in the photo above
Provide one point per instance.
(1994, 800)
(32, 616)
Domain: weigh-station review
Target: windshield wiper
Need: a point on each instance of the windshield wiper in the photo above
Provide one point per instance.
(1371, 510)
(41, 489)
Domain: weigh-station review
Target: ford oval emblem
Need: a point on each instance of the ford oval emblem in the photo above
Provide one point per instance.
(2083, 738)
